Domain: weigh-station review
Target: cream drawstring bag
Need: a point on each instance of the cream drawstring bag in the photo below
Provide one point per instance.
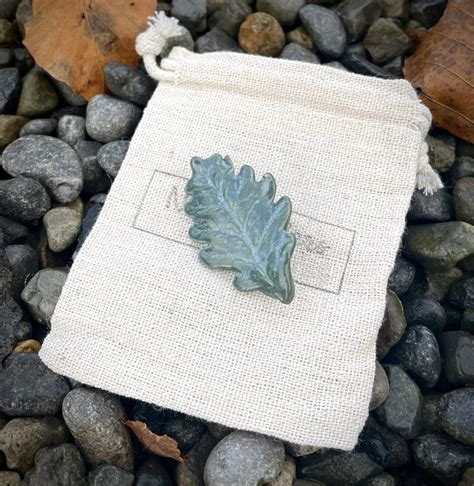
(142, 317)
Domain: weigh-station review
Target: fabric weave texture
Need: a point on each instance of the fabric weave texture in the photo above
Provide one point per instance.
(142, 317)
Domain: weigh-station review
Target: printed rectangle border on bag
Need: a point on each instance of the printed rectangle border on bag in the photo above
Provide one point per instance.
(306, 271)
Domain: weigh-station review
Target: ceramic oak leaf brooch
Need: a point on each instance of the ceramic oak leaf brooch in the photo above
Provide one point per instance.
(242, 229)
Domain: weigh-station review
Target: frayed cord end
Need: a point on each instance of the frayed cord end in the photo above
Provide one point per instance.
(151, 42)
(427, 179)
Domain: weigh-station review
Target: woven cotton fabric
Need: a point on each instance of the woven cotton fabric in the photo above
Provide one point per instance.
(142, 317)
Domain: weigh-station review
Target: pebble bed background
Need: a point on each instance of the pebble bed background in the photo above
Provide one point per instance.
(59, 157)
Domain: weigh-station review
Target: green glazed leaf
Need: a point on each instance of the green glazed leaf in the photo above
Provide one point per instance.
(242, 228)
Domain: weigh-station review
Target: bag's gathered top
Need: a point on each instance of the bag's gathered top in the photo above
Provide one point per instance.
(141, 315)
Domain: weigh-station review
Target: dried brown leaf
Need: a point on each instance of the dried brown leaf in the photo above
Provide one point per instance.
(161, 445)
(74, 40)
(442, 69)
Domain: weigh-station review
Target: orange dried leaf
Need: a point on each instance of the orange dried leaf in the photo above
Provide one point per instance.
(161, 445)
(442, 68)
(74, 40)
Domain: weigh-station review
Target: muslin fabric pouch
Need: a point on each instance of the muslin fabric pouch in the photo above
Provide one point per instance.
(142, 317)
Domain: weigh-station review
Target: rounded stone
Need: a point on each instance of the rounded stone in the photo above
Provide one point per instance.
(10, 127)
(430, 415)
(153, 473)
(285, 11)
(110, 475)
(357, 16)
(72, 129)
(261, 34)
(402, 276)
(380, 388)
(49, 160)
(40, 126)
(24, 263)
(462, 293)
(296, 52)
(437, 285)
(10, 478)
(184, 430)
(216, 40)
(22, 438)
(463, 199)
(23, 199)
(457, 349)
(29, 388)
(42, 292)
(129, 83)
(384, 479)
(301, 37)
(111, 155)
(456, 412)
(37, 95)
(418, 354)
(229, 15)
(425, 311)
(94, 419)
(439, 246)
(441, 456)
(63, 226)
(393, 325)
(463, 167)
(244, 458)
(325, 28)
(95, 179)
(61, 465)
(12, 231)
(402, 409)
(441, 151)
(436, 207)
(109, 119)
(68, 94)
(10, 82)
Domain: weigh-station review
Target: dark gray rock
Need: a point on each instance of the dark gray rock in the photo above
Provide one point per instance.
(111, 156)
(24, 264)
(442, 456)
(430, 416)
(402, 276)
(463, 199)
(336, 65)
(383, 479)
(230, 15)
(67, 94)
(467, 322)
(385, 447)
(8, 8)
(95, 178)
(23, 60)
(128, 83)
(462, 293)
(42, 292)
(462, 167)
(437, 207)
(40, 126)
(6, 57)
(182, 39)
(393, 325)
(337, 468)
(244, 458)
(23, 199)
(8, 33)
(427, 12)
(439, 246)
(385, 40)
(10, 86)
(109, 119)
(190, 13)
(29, 388)
(357, 48)
(296, 52)
(285, 11)
(394, 67)
(437, 285)
(110, 475)
(184, 430)
(441, 151)
(453, 317)
(10, 126)
(68, 110)
(94, 419)
(22, 438)
(72, 129)
(358, 15)
(418, 354)
(380, 387)
(456, 410)
(425, 311)
(360, 65)
(402, 409)
(57, 466)
(152, 473)
(12, 230)
(37, 95)
(326, 29)
(49, 160)
(216, 40)
(87, 223)
(457, 349)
